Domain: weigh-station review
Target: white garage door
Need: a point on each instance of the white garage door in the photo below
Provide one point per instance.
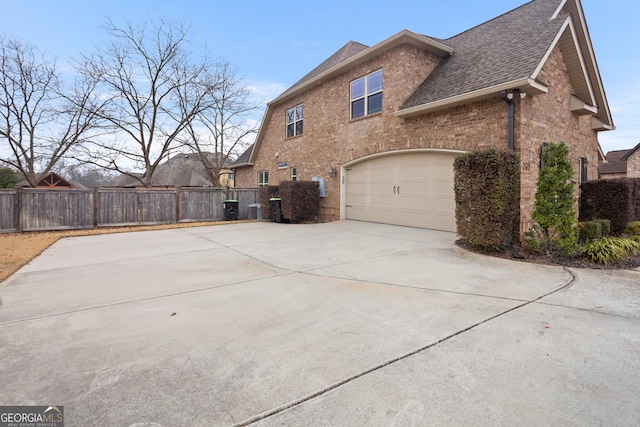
(413, 189)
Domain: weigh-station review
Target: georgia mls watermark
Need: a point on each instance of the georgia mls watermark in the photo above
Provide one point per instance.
(31, 416)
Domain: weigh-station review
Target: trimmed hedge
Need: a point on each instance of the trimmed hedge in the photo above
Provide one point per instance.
(300, 200)
(615, 199)
(589, 230)
(487, 193)
(606, 226)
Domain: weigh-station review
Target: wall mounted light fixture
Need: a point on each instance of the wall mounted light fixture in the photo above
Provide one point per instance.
(333, 173)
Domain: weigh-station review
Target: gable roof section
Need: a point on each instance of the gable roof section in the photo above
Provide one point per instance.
(507, 53)
(630, 152)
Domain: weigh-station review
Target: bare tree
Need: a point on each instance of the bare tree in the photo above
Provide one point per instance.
(154, 89)
(40, 123)
(221, 132)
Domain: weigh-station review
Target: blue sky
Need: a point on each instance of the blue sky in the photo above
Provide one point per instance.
(274, 43)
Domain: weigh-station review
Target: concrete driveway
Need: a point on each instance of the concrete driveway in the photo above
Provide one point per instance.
(339, 324)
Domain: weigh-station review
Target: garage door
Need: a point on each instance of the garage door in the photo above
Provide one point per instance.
(413, 189)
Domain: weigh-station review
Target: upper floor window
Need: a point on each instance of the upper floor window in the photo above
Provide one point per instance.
(366, 95)
(294, 121)
(263, 178)
(294, 173)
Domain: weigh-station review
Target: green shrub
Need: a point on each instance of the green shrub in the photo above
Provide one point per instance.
(589, 230)
(606, 226)
(633, 229)
(553, 208)
(486, 192)
(607, 250)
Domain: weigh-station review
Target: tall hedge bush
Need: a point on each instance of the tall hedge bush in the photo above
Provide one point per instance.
(300, 200)
(487, 194)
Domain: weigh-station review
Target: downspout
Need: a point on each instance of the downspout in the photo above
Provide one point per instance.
(508, 98)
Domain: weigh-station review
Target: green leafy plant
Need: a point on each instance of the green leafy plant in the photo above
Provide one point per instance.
(632, 229)
(607, 250)
(554, 201)
(589, 230)
(606, 226)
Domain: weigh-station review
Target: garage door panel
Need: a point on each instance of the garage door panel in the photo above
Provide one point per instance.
(414, 189)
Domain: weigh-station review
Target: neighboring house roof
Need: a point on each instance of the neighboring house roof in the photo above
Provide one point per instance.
(182, 170)
(505, 53)
(54, 180)
(617, 161)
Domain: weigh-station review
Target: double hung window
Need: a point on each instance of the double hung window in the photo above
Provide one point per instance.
(294, 121)
(263, 178)
(366, 95)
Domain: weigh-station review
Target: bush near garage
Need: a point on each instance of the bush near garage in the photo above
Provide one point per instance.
(300, 200)
(487, 192)
(615, 199)
(589, 230)
(264, 194)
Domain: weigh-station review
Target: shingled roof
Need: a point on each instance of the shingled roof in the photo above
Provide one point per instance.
(504, 49)
(617, 161)
(347, 51)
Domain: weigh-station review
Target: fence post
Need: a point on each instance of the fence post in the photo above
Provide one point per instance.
(17, 209)
(177, 205)
(96, 208)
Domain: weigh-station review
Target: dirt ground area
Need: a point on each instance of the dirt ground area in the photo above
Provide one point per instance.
(17, 249)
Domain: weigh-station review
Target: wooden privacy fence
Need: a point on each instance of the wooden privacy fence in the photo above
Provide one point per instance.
(34, 209)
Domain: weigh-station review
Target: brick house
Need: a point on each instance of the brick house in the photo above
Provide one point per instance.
(621, 164)
(381, 125)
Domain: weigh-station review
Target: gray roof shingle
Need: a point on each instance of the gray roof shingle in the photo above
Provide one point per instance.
(347, 51)
(501, 50)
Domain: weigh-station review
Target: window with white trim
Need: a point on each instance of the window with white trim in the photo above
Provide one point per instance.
(294, 173)
(263, 178)
(366, 95)
(294, 121)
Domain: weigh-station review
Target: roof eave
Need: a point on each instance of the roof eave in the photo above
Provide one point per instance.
(525, 85)
(403, 37)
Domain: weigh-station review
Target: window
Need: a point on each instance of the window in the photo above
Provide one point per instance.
(583, 171)
(366, 95)
(263, 178)
(294, 121)
(294, 173)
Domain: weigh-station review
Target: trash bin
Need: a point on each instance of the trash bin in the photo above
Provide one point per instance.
(275, 209)
(230, 210)
(254, 211)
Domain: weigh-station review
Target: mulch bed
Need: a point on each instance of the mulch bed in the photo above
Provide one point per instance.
(521, 253)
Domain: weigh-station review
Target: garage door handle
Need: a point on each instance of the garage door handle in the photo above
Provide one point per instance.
(398, 189)
(394, 189)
